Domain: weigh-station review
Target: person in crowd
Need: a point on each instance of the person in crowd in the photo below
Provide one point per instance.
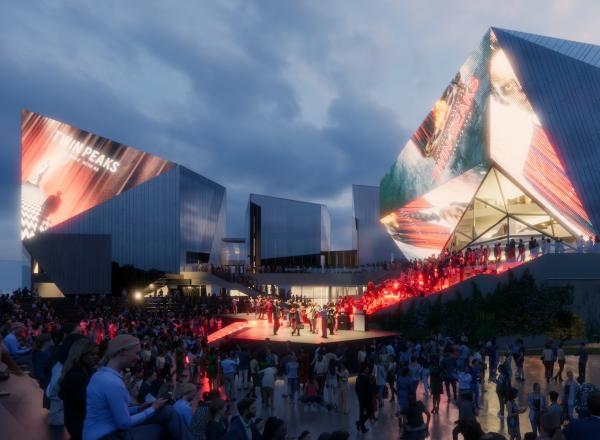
(72, 333)
(275, 429)
(449, 374)
(513, 410)
(291, 372)
(467, 422)
(185, 394)
(561, 359)
(81, 363)
(582, 359)
(268, 385)
(569, 394)
(415, 428)
(586, 427)
(305, 435)
(343, 388)
(363, 392)
(548, 359)
(502, 388)
(554, 407)
(243, 426)
(404, 388)
(584, 389)
(216, 428)
(13, 341)
(229, 368)
(212, 369)
(536, 403)
(108, 415)
(41, 353)
(311, 396)
(202, 416)
(550, 427)
(435, 383)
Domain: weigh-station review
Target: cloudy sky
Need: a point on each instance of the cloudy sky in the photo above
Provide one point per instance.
(297, 99)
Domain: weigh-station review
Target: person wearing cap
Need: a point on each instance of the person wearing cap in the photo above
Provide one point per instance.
(108, 414)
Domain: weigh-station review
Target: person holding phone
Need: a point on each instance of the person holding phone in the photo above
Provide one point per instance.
(108, 414)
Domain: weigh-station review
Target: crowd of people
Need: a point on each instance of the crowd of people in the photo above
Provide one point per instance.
(423, 277)
(153, 375)
(298, 313)
(125, 372)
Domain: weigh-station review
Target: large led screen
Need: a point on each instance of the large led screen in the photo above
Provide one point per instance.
(65, 171)
(422, 227)
(520, 146)
(448, 143)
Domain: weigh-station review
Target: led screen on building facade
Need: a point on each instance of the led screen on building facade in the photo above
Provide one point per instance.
(484, 119)
(66, 171)
(448, 142)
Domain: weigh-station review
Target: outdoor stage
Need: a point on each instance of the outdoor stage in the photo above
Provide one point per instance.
(259, 329)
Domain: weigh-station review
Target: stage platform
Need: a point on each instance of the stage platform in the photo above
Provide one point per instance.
(260, 329)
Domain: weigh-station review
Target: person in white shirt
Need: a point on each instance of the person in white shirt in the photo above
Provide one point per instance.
(561, 358)
(267, 385)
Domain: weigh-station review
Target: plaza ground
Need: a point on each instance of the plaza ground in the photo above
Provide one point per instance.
(22, 416)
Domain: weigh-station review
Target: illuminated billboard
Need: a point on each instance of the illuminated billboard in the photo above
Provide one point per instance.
(481, 157)
(449, 141)
(66, 171)
(520, 146)
(423, 226)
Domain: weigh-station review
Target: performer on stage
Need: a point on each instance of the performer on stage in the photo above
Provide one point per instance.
(313, 313)
(276, 317)
(330, 318)
(269, 311)
(323, 314)
(296, 319)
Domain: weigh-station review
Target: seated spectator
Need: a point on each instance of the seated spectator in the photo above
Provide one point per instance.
(587, 427)
(20, 354)
(78, 369)
(108, 415)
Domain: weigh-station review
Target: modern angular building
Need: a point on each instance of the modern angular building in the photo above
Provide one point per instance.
(126, 205)
(510, 150)
(283, 232)
(369, 236)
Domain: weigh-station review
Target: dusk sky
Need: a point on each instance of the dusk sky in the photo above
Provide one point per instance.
(296, 99)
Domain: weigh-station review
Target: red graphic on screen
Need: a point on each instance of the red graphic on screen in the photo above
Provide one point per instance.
(417, 228)
(66, 171)
(544, 169)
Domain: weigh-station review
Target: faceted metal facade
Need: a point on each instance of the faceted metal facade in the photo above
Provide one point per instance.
(157, 214)
(161, 224)
(524, 105)
(369, 236)
(287, 228)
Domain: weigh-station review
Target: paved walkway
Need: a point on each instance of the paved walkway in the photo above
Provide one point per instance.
(300, 418)
(23, 418)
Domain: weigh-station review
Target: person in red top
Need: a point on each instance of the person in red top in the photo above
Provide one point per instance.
(270, 311)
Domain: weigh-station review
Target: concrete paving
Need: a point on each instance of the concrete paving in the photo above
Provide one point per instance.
(22, 416)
